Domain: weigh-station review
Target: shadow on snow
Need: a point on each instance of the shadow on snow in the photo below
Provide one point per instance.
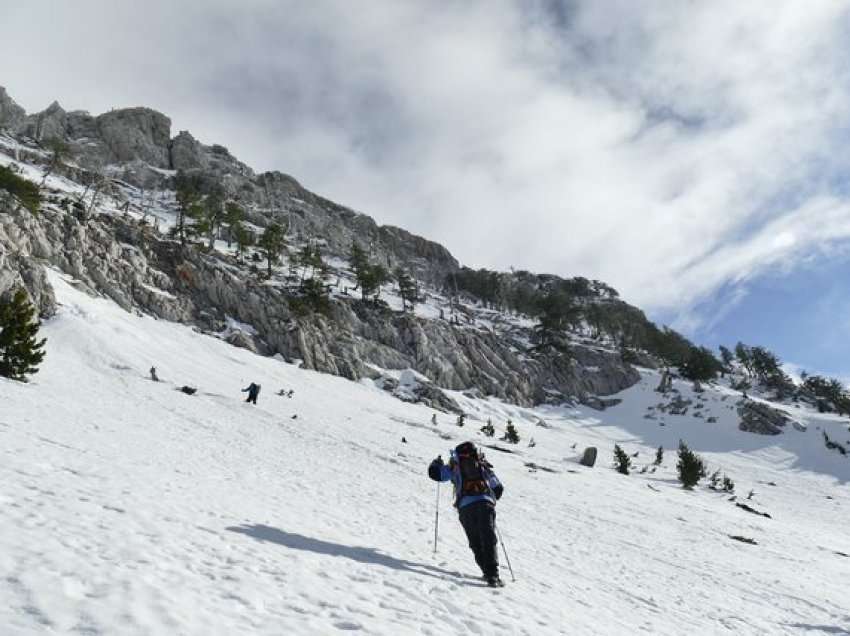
(369, 556)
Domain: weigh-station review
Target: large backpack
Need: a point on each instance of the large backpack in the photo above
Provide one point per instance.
(471, 467)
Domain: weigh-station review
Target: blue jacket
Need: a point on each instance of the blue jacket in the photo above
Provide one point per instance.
(438, 471)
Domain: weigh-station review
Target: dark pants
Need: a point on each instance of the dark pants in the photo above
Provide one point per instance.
(252, 398)
(479, 523)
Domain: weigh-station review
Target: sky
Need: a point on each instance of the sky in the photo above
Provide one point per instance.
(690, 154)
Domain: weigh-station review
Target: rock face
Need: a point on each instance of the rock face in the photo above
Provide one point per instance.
(10, 113)
(136, 133)
(48, 124)
(139, 269)
(763, 419)
(186, 153)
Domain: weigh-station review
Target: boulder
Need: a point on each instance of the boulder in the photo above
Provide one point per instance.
(589, 457)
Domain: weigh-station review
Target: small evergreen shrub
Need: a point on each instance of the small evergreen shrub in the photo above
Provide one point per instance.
(20, 351)
(622, 461)
(511, 434)
(690, 466)
(659, 456)
(488, 429)
(24, 191)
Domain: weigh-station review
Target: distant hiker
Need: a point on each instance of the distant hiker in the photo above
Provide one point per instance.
(434, 419)
(290, 393)
(404, 440)
(476, 489)
(153, 374)
(461, 419)
(253, 391)
(282, 393)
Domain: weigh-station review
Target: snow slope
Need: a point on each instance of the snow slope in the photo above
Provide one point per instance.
(130, 508)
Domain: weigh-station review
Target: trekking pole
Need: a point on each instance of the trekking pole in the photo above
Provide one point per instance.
(505, 550)
(437, 518)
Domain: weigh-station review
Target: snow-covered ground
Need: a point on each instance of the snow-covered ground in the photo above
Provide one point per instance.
(128, 507)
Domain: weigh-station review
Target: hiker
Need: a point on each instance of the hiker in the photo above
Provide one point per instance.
(253, 391)
(476, 490)
(153, 374)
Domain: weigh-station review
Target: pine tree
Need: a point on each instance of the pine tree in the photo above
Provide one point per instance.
(359, 261)
(20, 351)
(271, 242)
(243, 239)
(407, 287)
(59, 150)
(727, 357)
(488, 429)
(369, 276)
(700, 365)
(233, 216)
(511, 434)
(212, 215)
(188, 196)
(659, 456)
(621, 460)
(714, 480)
(690, 466)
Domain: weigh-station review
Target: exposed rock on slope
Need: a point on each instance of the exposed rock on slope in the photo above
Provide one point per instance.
(760, 418)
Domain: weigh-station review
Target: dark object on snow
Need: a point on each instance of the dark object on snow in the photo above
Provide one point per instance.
(833, 445)
(188, 390)
(253, 391)
(494, 447)
(294, 417)
(476, 491)
(589, 457)
(743, 506)
(743, 539)
(404, 440)
(290, 393)
(532, 466)
(154, 377)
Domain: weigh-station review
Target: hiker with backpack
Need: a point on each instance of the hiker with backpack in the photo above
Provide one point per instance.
(253, 391)
(476, 490)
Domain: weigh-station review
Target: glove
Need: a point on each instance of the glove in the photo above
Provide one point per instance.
(497, 491)
(436, 468)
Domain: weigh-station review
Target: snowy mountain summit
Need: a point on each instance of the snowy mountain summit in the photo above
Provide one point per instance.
(142, 494)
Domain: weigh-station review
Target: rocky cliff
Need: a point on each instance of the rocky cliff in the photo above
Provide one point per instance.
(128, 260)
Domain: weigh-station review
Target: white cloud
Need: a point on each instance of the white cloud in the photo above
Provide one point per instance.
(666, 148)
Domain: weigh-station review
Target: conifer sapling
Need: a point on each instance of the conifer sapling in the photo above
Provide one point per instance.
(622, 461)
(20, 351)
